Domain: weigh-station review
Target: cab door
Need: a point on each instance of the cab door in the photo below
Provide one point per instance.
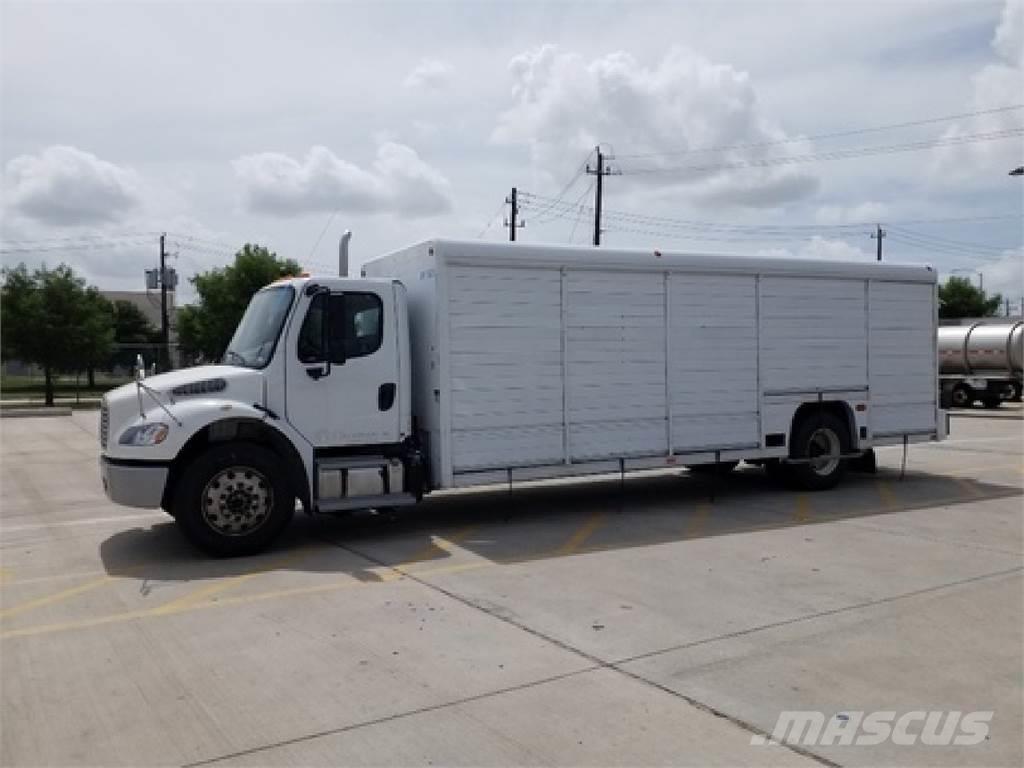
(342, 371)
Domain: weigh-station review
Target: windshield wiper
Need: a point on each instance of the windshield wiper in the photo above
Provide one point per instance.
(228, 354)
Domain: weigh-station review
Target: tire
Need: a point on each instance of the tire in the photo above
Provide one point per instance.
(1013, 392)
(962, 396)
(819, 435)
(721, 468)
(234, 500)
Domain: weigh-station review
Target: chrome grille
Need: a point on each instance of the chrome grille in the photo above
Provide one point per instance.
(104, 422)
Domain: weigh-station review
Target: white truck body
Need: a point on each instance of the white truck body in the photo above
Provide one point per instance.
(452, 363)
(539, 361)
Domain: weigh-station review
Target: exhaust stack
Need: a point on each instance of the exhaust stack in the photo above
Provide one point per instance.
(343, 253)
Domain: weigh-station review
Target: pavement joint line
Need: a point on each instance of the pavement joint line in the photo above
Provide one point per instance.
(824, 614)
(392, 717)
(597, 661)
(5, 529)
(584, 532)
(935, 539)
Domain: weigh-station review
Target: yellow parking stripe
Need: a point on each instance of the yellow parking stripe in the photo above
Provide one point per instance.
(204, 594)
(56, 597)
(889, 500)
(803, 508)
(584, 532)
(179, 607)
(442, 545)
(695, 524)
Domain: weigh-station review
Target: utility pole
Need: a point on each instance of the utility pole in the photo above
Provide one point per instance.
(879, 236)
(165, 339)
(513, 222)
(600, 172)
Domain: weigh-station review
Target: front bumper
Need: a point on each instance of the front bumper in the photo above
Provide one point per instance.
(134, 483)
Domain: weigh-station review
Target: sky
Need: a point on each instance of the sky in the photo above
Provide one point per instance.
(286, 123)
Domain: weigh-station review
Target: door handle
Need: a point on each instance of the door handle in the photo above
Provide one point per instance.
(386, 396)
(316, 372)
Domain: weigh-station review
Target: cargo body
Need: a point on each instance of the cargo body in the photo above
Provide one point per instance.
(531, 362)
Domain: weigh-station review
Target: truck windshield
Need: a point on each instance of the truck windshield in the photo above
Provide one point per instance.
(253, 344)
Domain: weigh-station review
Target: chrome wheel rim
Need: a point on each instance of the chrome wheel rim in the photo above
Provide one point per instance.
(960, 397)
(824, 450)
(237, 501)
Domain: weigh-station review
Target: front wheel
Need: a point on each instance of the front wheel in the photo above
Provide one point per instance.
(820, 441)
(234, 499)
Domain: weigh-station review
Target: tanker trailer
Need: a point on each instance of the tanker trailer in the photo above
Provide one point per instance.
(981, 361)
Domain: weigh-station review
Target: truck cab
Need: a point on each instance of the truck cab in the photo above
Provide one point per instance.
(310, 402)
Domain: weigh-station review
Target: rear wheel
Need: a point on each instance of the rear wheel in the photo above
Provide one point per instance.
(234, 499)
(820, 440)
(962, 396)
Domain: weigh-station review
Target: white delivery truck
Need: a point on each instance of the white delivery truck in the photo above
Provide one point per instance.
(452, 364)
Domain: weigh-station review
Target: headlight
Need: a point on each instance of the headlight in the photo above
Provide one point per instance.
(144, 434)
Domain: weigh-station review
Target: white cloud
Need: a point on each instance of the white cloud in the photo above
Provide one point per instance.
(998, 84)
(64, 186)
(819, 248)
(429, 73)
(398, 182)
(564, 105)
(1005, 275)
(865, 212)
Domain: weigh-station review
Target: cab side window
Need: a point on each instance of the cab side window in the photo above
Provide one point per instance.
(311, 335)
(362, 331)
(356, 327)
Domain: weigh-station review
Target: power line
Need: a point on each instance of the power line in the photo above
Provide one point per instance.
(582, 208)
(923, 245)
(576, 176)
(78, 238)
(842, 154)
(823, 136)
(948, 241)
(490, 221)
(563, 208)
(202, 240)
(85, 246)
(330, 220)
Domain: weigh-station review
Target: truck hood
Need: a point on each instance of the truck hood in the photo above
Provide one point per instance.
(221, 382)
(209, 384)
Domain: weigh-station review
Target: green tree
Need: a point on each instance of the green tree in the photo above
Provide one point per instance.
(50, 318)
(131, 326)
(206, 327)
(95, 333)
(960, 298)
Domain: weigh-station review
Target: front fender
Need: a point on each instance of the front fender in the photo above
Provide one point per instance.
(228, 420)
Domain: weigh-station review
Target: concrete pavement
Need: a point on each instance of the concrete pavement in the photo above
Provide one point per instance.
(563, 624)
